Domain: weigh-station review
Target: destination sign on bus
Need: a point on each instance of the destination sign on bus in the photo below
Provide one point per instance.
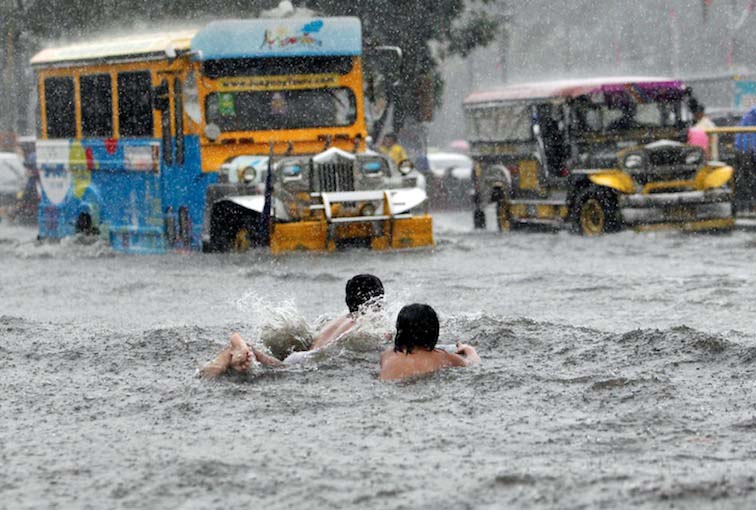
(292, 82)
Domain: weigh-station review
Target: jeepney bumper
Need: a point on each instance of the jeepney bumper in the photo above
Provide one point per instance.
(390, 224)
(688, 210)
(385, 234)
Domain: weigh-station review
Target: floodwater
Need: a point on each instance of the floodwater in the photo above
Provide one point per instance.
(616, 372)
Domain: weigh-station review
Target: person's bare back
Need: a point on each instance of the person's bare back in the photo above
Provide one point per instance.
(415, 352)
(400, 365)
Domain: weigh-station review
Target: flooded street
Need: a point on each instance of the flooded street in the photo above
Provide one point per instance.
(617, 371)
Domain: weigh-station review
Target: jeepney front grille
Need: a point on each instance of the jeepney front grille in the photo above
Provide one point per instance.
(329, 177)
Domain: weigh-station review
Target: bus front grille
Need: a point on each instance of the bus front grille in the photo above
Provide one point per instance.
(333, 177)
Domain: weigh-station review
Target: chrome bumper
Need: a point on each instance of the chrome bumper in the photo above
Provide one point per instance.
(679, 207)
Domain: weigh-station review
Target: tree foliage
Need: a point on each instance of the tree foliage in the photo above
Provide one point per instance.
(426, 31)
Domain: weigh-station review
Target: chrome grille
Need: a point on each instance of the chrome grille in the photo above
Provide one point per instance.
(332, 177)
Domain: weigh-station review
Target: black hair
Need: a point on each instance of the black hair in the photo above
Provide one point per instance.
(416, 326)
(361, 289)
(695, 106)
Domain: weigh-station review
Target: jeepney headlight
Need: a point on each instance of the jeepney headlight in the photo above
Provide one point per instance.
(405, 167)
(633, 161)
(694, 157)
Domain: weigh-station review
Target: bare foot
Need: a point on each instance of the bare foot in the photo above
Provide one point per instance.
(241, 356)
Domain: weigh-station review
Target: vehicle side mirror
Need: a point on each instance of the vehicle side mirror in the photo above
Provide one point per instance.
(388, 60)
(160, 99)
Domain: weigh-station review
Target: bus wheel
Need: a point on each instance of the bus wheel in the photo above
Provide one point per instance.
(84, 225)
(242, 240)
(596, 212)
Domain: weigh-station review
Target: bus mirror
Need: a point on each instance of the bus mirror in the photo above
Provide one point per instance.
(388, 61)
(160, 97)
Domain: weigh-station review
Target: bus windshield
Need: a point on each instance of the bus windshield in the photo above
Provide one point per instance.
(281, 109)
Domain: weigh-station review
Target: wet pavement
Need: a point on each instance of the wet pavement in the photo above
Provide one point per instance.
(617, 372)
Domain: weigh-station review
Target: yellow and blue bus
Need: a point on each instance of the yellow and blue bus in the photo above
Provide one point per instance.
(135, 131)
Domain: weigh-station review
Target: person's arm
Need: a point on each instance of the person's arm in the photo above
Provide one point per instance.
(332, 332)
(217, 366)
(468, 354)
(265, 359)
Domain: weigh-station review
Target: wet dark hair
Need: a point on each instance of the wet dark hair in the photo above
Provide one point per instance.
(362, 288)
(416, 326)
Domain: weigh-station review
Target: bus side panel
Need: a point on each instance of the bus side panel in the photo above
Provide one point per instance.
(183, 196)
(115, 182)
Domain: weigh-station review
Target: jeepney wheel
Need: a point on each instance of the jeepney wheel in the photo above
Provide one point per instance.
(596, 212)
(242, 240)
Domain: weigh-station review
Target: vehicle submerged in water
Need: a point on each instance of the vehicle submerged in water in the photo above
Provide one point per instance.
(595, 155)
(138, 133)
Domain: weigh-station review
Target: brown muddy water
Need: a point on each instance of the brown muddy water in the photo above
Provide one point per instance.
(617, 372)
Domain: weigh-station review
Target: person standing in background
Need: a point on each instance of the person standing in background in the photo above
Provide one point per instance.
(697, 133)
(391, 148)
(745, 164)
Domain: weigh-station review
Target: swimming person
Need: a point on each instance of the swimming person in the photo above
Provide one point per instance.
(415, 352)
(363, 292)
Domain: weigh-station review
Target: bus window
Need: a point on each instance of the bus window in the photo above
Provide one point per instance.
(96, 105)
(59, 107)
(134, 106)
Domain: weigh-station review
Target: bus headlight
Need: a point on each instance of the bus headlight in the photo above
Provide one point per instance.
(248, 174)
(212, 132)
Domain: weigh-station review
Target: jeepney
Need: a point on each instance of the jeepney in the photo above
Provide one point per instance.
(595, 155)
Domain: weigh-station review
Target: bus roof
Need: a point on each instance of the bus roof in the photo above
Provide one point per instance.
(252, 38)
(635, 85)
(289, 37)
(116, 48)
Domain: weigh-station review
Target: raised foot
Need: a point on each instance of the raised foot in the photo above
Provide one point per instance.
(241, 356)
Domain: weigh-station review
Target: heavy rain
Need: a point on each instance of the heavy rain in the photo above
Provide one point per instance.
(219, 221)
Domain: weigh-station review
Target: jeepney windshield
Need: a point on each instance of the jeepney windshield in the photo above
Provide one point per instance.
(281, 109)
(607, 115)
(499, 122)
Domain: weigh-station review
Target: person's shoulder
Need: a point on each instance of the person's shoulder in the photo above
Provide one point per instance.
(387, 354)
(453, 359)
